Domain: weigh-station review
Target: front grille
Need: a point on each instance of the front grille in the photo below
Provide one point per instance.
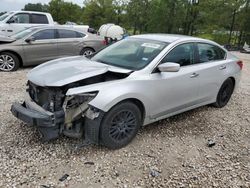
(48, 98)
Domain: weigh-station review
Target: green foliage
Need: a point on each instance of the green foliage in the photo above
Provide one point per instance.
(220, 38)
(98, 12)
(63, 11)
(36, 7)
(225, 21)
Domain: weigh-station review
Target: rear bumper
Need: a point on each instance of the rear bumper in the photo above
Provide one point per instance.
(48, 125)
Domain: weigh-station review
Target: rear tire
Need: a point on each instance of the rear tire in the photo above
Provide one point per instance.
(9, 62)
(87, 51)
(120, 125)
(224, 94)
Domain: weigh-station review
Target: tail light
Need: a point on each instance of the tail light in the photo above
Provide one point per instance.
(104, 42)
(240, 63)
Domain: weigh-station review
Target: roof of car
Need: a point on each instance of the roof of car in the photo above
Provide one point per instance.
(55, 27)
(169, 38)
(24, 11)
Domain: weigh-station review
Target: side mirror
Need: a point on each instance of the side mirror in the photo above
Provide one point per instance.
(91, 30)
(169, 67)
(30, 39)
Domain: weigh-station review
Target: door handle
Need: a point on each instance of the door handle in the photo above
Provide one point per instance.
(194, 75)
(223, 67)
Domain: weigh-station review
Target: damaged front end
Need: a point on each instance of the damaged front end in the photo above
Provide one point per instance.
(41, 109)
(54, 113)
(77, 113)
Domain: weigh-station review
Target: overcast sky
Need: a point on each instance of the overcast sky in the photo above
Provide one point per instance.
(8, 5)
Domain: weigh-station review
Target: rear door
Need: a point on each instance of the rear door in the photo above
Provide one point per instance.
(70, 43)
(212, 69)
(43, 48)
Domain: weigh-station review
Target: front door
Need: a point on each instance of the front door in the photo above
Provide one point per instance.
(176, 91)
(17, 22)
(43, 48)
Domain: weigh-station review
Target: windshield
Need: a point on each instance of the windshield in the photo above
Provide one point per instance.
(5, 16)
(22, 34)
(130, 53)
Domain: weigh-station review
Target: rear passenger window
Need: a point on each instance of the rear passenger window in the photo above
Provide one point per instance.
(63, 33)
(182, 54)
(39, 19)
(44, 34)
(80, 35)
(208, 52)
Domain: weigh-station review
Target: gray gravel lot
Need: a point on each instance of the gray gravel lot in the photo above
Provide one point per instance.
(169, 153)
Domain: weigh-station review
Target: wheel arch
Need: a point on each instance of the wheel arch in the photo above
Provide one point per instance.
(93, 127)
(87, 47)
(135, 101)
(16, 54)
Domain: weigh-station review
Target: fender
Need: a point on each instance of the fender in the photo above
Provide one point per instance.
(111, 93)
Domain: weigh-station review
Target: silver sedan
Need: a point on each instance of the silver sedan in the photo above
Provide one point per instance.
(132, 83)
(40, 44)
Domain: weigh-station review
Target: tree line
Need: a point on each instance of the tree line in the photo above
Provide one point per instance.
(225, 21)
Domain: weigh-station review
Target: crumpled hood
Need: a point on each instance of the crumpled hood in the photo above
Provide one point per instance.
(64, 71)
(6, 39)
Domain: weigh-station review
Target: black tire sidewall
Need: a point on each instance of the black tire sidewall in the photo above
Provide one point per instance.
(105, 138)
(15, 58)
(219, 103)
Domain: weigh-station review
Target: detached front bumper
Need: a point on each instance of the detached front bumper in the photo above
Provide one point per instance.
(47, 124)
(52, 125)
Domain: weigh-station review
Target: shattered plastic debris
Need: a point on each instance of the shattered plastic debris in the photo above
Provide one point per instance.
(211, 143)
(64, 177)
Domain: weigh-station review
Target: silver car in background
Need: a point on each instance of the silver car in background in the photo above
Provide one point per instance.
(132, 83)
(40, 44)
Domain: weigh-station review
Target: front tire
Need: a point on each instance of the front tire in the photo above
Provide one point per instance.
(224, 94)
(8, 62)
(120, 125)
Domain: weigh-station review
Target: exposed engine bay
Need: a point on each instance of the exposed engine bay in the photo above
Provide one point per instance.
(75, 109)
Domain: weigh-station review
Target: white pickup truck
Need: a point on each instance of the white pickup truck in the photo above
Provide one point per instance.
(15, 21)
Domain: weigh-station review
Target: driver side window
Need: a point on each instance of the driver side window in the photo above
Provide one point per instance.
(44, 34)
(22, 18)
(182, 54)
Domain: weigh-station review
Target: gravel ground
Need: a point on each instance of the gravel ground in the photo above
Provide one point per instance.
(170, 153)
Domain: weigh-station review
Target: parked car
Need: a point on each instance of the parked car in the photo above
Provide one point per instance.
(134, 82)
(40, 44)
(15, 21)
(84, 28)
(245, 48)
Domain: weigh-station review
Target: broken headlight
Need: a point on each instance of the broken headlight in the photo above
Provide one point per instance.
(76, 100)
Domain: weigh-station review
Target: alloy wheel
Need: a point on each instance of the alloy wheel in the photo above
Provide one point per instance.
(123, 125)
(88, 52)
(7, 63)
